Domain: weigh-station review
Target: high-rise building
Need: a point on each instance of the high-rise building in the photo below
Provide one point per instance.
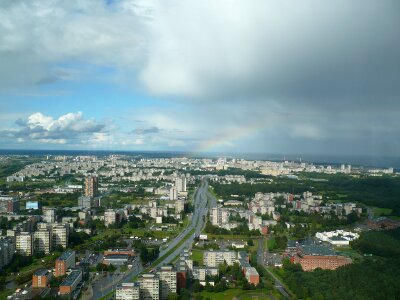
(91, 186)
(149, 287)
(167, 276)
(179, 206)
(9, 204)
(7, 250)
(180, 184)
(219, 216)
(43, 241)
(173, 193)
(24, 243)
(48, 214)
(60, 235)
(215, 258)
(64, 262)
(127, 291)
(111, 216)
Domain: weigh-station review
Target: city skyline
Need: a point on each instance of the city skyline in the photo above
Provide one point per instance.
(201, 76)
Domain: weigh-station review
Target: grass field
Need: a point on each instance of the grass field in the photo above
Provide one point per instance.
(238, 294)
(197, 256)
(382, 211)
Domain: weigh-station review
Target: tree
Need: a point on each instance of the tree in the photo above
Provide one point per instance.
(250, 242)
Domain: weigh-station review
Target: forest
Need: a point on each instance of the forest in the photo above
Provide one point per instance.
(374, 191)
(375, 277)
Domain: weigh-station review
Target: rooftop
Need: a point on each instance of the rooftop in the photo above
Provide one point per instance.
(70, 279)
(41, 272)
(66, 255)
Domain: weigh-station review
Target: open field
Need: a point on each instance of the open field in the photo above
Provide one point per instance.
(238, 294)
(378, 211)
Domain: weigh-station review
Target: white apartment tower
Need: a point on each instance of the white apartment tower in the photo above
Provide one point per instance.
(149, 287)
(49, 214)
(24, 243)
(215, 258)
(43, 241)
(173, 193)
(127, 291)
(167, 276)
(60, 234)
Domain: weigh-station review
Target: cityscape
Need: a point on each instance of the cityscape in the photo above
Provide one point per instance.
(199, 150)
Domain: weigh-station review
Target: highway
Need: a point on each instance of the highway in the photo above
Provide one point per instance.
(203, 199)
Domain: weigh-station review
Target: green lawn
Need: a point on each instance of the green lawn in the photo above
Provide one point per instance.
(197, 256)
(378, 211)
(238, 294)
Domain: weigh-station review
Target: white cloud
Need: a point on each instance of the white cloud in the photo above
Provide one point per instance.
(68, 128)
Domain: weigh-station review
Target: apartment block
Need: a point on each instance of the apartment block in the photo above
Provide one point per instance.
(149, 287)
(7, 250)
(60, 234)
(70, 282)
(41, 278)
(167, 276)
(64, 262)
(325, 262)
(24, 243)
(213, 258)
(127, 291)
(91, 186)
(9, 204)
(43, 241)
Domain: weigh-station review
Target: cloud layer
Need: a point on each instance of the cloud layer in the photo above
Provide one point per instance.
(69, 128)
(304, 76)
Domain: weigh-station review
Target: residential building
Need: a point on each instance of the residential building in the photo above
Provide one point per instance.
(24, 243)
(48, 214)
(43, 241)
(325, 262)
(64, 262)
(173, 193)
(41, 278)
(167, 276)
(179, 206)
(219, 216)
(9, 204)
(70, 282)
(91, 186)
(213, 258)
(7, 250)
(60, 234)
(180, 184)
(127, 291)
(149, 287)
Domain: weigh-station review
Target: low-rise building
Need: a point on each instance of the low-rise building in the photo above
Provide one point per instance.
(41, 278)
(64, 262)
(325, 262)
(70, 282)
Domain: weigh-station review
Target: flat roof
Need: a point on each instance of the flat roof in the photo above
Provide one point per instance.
(41, 272)
(66, 254)
(71, 278)
(117, 256)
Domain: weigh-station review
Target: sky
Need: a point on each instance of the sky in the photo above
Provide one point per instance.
(264, 76)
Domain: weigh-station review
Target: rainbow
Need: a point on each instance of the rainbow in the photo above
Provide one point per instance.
(227, 138)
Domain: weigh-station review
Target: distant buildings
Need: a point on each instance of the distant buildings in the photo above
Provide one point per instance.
(9, 204)
(49, 214)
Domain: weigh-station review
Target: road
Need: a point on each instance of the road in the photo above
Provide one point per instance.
(202, 201)
(261, 261)
(107, 284)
